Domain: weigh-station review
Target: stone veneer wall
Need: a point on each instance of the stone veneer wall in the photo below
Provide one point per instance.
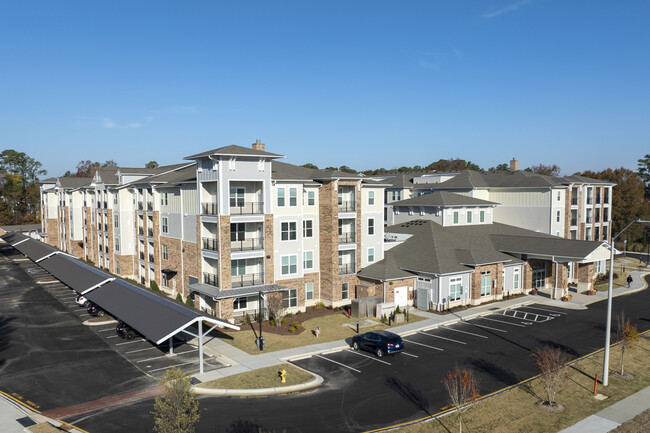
(157, 251)
(328, 239)
(126, 264)
(377, 288)
(225, 278)
(65, 246)
(567, 213)
(585, 275)
(495, 275)
(269, 270)
(173, 262)
(51, 228)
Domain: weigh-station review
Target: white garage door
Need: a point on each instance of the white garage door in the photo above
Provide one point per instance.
(401, 295)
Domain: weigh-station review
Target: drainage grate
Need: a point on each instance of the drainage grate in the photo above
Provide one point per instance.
(25, 422)
(195, 381)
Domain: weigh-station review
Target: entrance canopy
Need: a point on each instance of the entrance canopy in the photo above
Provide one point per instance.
(216, 293)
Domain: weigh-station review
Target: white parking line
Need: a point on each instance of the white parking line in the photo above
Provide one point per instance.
(112, 336)
(182, 353)
(129, 342)
(165, 368)
(408, 354)
(104, 330)
(141, 350)
(151, 359)
(542, 309)
(442, 338)
(425, 345)
(374, 358)
(502, 321)
(464, 332)
(486, 327)
(339, 363)
(85, 314)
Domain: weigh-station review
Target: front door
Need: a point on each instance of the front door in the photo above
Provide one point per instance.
(400, 296)
(539, 276)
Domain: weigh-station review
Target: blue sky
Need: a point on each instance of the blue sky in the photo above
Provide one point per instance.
(366, 84)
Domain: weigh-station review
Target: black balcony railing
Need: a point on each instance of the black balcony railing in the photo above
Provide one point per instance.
(348, 268)
(211, 279)
(149, 205)
(105, 205)
(209, 209)
(247, 208)
(210, 244)
(141, 230)
(574, 221)
(140, 205)
(347, 238)
(150, 258)
(105, 227)
(247, 280)
(347, 206)
(247, 244)
(149, 232)
(142, 280)
(141, 255)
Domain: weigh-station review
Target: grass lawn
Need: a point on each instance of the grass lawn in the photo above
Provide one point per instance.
(332, 328)
(515, 410)
(630, 264)
(263, 378)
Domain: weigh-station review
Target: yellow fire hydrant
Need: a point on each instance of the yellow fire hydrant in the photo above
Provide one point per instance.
(283, 376)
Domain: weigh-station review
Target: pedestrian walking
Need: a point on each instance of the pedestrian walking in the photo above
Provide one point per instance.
(629, 280)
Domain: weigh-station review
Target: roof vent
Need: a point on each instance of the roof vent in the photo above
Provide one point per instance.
(258, 145)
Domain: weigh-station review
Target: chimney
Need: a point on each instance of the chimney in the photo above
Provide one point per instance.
(514, 163)
(258, 145)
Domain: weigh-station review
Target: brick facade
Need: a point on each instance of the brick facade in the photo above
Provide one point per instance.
(225, 277)
(495, 272)
(269, 270)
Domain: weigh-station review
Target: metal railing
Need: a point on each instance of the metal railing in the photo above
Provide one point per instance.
(348, 268)
(211, 279)
(149, 232)
(141, 255)
(247, 208)
(150, 258)
(105, 205)
(209, 209)
(141, 230)
(347, 238)
(140, 205)
(210, 244)
(347, 206)
(149, 205)
(247, 280)
(247, 244)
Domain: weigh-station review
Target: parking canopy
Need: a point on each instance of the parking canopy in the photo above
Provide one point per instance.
(33, 249)
(156, 317)
(75, 274)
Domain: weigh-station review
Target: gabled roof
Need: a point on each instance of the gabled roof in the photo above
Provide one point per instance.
(405, 180)
(284, 171)
(583, 179)
(443, 199)
(234, 150)
(172, 178)
(73, 182)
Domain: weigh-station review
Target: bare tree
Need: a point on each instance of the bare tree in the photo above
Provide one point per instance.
(176, 410)
(275, 305)
(626, 335)
(554, 371)
(463, 389)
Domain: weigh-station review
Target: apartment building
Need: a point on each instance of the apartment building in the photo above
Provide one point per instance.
(227, 228)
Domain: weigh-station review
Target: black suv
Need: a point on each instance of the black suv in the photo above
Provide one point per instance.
(94, 310)
(125, 331)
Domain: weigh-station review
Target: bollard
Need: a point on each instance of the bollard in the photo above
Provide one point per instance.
(595, 383)
(317, 331)
(357, 327)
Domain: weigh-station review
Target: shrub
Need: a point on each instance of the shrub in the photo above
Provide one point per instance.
(296, 325)
(397, 310)
(298, 313)
(154, 287)
(288, 315)
(247, 319)
(384, 319)
(272, 322)
(292, 330)
(282, 322)
(189, 301)
(319, 306)
(179, 298)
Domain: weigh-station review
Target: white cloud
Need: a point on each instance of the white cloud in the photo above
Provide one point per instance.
(506, 9)
(108, 123)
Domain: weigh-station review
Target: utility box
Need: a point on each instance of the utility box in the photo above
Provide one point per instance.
(386, 308)
(364, 307)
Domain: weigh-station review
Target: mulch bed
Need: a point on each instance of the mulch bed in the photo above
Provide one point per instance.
(465, 307)
(311, 313)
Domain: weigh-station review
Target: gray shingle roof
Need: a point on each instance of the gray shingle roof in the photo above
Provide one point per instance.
(284, 171)
(73, 182)
(443, 199)
(234, 150)
(583, 179)
(185, 174)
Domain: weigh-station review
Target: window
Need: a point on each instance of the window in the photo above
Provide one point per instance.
(590, 195)
(164, 252)
(117, 267)
(238, 267)
(486, 283)
(396, 195)
(165, 226)
(559, 196)
(293, 298)
(293, 197)
(165, 280)
(116, 220)
(237, 232)
(117, 244)
(606, 195)
(280, 197)
(371, 226)
(455, 285)
(605, 214)
(163, 199)
(469, 217)
(308, 260)
(311, 198)
(589, 216)
(371, 255)
(481, 216)
(288, 231)
(598, 267)
(237, 196)
(289, 265)
(309, 291)
(557, 216)
(597, 233)
(115, 198)
(455, 217)
(515, 283)
(308, 228)
(344, 291)
(371, 198)
(239, 303)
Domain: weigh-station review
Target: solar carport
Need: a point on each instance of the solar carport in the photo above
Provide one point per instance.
(156, 317)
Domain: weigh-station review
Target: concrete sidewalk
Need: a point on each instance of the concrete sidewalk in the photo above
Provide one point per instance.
(15, 418)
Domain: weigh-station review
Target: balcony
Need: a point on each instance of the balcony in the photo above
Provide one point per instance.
(247, 208)
(347, 238)
(209, 209)
(149, 232)
(347, 206)
(210, 244)
(348, 268)
(247, 280)
(141, 230)
(140, 205)
(105, 205)
(247, 244)
(141, 255)
(211, 279)
(574, 221)
(150, 258)
(149, 205)
(589, 220)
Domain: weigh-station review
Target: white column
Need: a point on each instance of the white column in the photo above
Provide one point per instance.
(201, 346)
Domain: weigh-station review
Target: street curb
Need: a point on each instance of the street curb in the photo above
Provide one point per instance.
(108, 322)
(317, 381)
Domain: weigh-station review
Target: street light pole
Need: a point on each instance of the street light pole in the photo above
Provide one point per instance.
(608, 325)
